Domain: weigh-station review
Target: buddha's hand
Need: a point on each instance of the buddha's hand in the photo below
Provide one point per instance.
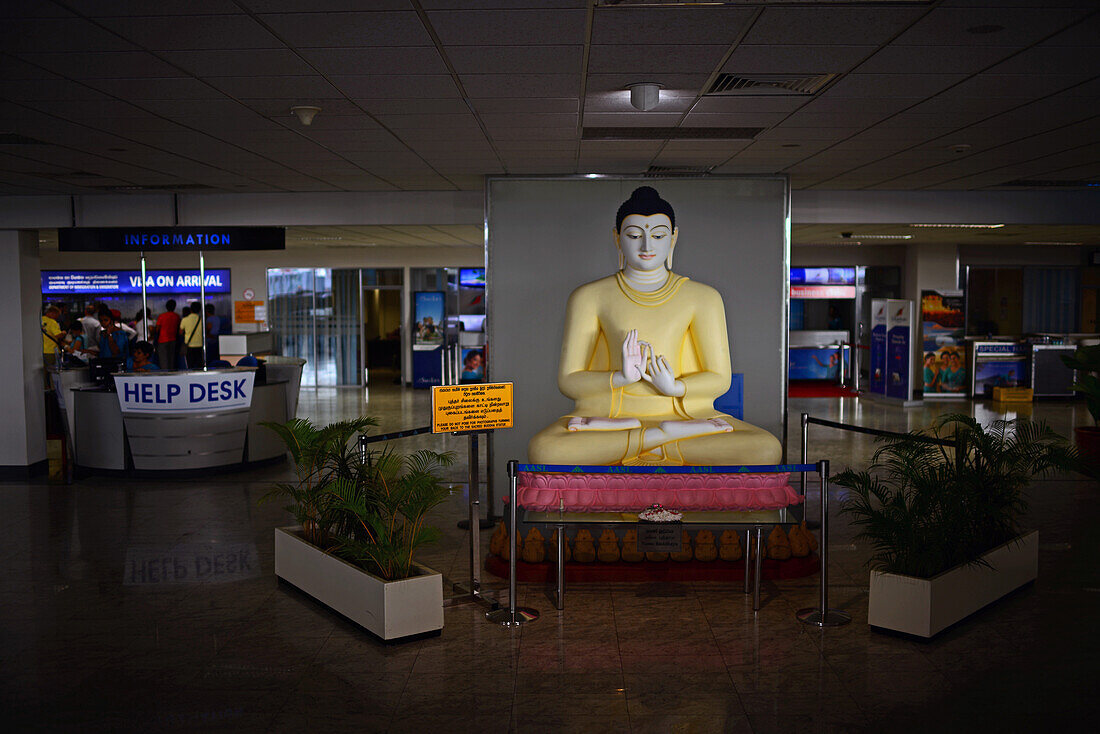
(633, 360)
(659, 374)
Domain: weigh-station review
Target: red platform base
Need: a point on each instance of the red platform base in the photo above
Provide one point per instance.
(693, 570)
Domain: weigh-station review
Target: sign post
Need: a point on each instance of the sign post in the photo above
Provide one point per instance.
(473, 409)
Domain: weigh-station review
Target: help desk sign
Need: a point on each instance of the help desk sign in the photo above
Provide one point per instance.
(184, 392)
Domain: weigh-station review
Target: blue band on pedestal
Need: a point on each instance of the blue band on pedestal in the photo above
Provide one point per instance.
(737, 469)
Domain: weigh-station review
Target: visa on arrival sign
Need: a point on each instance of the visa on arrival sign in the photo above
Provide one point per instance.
(185, 392)
(475, 407)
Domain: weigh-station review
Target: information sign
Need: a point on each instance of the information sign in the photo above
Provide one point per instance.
(471, 407)
(120, 282)
(660, 537)
(186, 392)
(161, 239)
(249, 312)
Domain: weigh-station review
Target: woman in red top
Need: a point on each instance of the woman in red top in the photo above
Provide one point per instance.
(168, 332)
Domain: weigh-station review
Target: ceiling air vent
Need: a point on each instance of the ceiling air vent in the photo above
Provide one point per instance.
(677, 171)
(671, 133)
(793, 85)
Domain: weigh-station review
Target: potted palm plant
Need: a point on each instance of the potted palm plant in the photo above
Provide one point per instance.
(1086, 360)
(361, 520)
(944, 527)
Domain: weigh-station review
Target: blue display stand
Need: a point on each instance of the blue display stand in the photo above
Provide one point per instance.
(427, 367)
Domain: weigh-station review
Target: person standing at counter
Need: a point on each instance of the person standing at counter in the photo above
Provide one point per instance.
(91, 328)
(167, 332)
(191, 327)
(113, 342)
(213, 328)
(142, 361)
(51, 335)
(74, 344)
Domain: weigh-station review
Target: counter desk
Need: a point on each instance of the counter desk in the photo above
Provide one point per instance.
(161, 421)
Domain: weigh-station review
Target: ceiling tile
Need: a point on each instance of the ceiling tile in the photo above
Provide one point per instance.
(378, 60)
(816, 25)
(679, 83)
(1022, 26)
(934, 59)
(104, 8)
(111, 65)
(631, 119)
(293, 88)
(1020, 86)
(457, 121)
(892, 85)
(641, 27)
(521, 85)
(247, 62)
(427, 106)
(352, 30)
(396, 86)
(494, 121)
(508, 27)
(635, 59)
(535, 134)
(509, 105)
(60, 34)
(805, 59)
(499, 59)
(177, 88)
(193, 32)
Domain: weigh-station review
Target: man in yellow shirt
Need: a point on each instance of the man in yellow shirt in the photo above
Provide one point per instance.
(51, 335)
(191, 329)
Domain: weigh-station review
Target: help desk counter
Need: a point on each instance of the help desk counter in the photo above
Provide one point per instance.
(158, 421)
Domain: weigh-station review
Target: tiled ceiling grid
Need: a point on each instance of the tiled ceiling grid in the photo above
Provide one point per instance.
(436, 94)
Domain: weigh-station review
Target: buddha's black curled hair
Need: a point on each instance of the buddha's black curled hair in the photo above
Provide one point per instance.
(645, 201)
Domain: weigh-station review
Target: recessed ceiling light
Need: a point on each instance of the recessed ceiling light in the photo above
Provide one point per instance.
(880, 236)
(960, 147)
(827, 244)
(791, 145)
(958, 226)
(1054, 243)
(117, 150)
(981, 30)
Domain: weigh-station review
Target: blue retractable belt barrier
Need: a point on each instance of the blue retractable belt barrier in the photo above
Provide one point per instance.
(741, 469)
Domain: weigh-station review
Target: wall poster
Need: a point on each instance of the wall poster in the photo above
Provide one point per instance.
(943, 316)
(899, 349)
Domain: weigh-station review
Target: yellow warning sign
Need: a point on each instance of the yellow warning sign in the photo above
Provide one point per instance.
(476, 407)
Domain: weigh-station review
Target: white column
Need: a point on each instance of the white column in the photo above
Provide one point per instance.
(928, 267)
(22, 393)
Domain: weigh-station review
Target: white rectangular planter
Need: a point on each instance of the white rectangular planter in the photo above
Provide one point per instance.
(924, 607)
(389, 609)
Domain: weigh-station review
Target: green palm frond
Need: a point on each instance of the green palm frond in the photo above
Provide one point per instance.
(922, 510)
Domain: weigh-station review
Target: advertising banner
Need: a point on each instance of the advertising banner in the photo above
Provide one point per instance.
(878, 346)
(999, 365)
(816, 363)
(184, 392)
(121, 282)
(899, 349)
(428, 314)
(943, 316)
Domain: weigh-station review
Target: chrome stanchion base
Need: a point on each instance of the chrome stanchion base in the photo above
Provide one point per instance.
(831, 617)
(505, 617)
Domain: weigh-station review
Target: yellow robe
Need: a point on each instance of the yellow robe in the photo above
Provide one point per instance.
(686, 322)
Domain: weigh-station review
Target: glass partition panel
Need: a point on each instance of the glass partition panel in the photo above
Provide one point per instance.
(337, 327)
(290, 314)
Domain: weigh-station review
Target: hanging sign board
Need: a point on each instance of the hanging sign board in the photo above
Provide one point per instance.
(823, 291)
(129, 281)
(185, 392)
(164, 239)
(479, 407)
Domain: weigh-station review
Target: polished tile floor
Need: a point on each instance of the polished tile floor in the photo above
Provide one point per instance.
(144, 606)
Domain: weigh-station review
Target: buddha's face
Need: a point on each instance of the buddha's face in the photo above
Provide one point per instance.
(646, 241)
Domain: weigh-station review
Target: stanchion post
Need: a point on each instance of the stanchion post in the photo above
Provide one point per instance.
(514, 615)
(757, 568)
(823, 616)
(475, 516)
(805, 449)
(559, 602)
(748, 568)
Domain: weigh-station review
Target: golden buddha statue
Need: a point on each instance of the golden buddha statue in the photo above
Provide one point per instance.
(644, 355)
